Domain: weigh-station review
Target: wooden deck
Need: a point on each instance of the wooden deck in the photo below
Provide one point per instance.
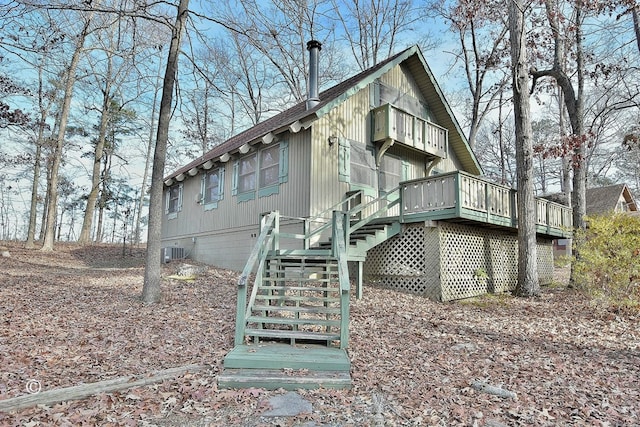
(463, 197)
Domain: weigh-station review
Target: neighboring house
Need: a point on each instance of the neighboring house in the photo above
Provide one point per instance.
(612, 198)
(372, 178)
(599, 201)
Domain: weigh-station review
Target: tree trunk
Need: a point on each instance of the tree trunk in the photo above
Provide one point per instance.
(151, 291)
(528, 284)
(43, 220)
(31, 233)
(33, 210)
(49, 234)
(578, 197)
(565, 183)
(636, 24)
(85, 232)
(145, 175)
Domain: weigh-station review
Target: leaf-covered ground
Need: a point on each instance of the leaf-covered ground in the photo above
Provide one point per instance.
(73, 316)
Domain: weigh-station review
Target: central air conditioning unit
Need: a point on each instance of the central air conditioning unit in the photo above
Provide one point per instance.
(171, 253)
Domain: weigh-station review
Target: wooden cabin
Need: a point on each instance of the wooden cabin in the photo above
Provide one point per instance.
(609, 199)
(369, 181)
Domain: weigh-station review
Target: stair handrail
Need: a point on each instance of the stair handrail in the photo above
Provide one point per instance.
(327, 216)
(395, 192)
(340, 239)
(258, 255)
(324, 218)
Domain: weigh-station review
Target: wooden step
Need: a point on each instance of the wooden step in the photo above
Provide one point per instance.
(297, 298)
(275, 379)
(318, 261)
(294, 335)
(299, 309)
(300, 278)
(298, 288)
(284, 356)
(292, 321)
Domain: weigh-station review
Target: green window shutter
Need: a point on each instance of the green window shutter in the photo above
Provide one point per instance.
(234, 178)
(180, 188)
(203, 188)
(283, 173)
(167, 197)
(344, 160)
(221, 183)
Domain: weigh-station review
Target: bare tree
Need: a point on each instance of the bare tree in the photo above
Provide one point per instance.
(70, 79)
(573, 97)
(483, 53)
(372, 29)
(151, 291)
(110, 41)
(528, 284)
(279, 31)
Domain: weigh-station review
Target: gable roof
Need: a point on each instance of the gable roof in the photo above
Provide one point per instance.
(601, 200)
(298, 116)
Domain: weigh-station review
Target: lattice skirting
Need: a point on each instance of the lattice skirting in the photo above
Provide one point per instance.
(448, 261)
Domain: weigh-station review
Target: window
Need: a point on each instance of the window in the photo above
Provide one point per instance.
(247, 174)
(173, 203)
(390, 173)
(263, 172)
(212, 188)
(269, 161)
(390, 95)
(357, 165)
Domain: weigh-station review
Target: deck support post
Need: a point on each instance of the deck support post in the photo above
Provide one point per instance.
(359, 281)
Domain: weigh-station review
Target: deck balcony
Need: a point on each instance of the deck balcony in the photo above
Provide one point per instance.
(393, 124)
(464, 197)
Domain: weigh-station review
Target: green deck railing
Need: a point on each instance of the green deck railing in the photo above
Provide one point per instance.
(340, 250)
(465, 196)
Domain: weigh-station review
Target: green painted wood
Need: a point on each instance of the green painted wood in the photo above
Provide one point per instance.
(300, 252)
(480, 217)
(308, 276)
(284, 356)
(298, 309)
(300, 288)
(297, 298)
(292, 321)
(278, 379)
(293, 335)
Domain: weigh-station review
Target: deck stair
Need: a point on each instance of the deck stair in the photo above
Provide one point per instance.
(293, 330)
(297, 301)
(365, 238)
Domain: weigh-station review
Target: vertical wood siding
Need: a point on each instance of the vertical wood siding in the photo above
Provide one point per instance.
(226, 235)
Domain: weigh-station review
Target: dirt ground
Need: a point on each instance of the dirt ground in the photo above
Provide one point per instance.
(74, 316)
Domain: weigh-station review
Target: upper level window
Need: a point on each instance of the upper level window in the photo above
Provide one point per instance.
(212, 188)
(390, 95)
(390, 172)
(261, 172)
(173, 201)
(357, 166)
